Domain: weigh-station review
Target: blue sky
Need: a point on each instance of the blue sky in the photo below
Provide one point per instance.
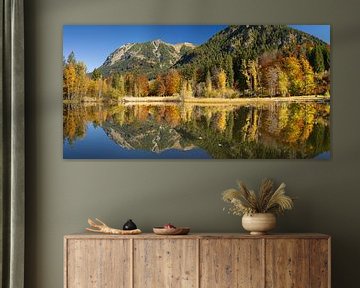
(93, 43)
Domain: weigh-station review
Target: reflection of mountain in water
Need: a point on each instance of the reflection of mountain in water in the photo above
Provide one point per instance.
(145, 136)
(272, 131)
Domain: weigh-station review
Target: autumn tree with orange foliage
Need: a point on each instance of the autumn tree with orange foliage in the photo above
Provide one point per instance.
(142, 84)
(75, 80)
(159, 86)
(172, 82)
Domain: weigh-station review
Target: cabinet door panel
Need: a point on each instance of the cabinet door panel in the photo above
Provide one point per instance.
(287, 263)
(166, 263)
(319, 263)
(231, 263)
(98, 264)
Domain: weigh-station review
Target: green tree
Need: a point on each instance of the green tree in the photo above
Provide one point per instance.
(96, 74)
(326, 56)
(121, 85)
(317, 59)
(244, 77)
(229, 70)
(118, 83)
(71, 58)
(129, 84)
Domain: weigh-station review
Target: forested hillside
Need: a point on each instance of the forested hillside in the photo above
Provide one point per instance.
(262, 59)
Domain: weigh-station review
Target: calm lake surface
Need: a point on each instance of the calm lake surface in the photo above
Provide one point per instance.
(278, 130)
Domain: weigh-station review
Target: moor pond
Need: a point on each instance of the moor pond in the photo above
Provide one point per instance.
(276, 130)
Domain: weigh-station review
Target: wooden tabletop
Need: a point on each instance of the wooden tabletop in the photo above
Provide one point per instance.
(88, 235)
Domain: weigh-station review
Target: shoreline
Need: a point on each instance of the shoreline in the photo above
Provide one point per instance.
(176, 99)
(256, 99)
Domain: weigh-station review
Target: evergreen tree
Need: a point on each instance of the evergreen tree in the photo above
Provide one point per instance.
(114, 80)
(317, 59)
(118, 83)
(96, 74)
(121, 85)
(129, 84)
(244, 77)
(71, 58)
(326, 56)
(229, 70)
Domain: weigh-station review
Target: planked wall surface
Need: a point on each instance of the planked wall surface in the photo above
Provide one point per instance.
(197, 260)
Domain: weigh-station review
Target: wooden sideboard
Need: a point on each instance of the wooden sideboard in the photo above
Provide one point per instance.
(197, 260)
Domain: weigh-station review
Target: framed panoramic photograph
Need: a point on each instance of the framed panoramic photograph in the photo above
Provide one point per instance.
(196, 92)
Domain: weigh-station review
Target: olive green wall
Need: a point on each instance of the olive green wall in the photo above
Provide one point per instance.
(61, 194)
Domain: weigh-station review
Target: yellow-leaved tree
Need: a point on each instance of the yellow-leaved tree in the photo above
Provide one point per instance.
(69, 78)
(295, 74)
(221, 77)
(283, 83)
(309, 77)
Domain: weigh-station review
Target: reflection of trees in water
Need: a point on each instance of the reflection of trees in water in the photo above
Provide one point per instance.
(280, 130)
(75, 118)
(74, 121)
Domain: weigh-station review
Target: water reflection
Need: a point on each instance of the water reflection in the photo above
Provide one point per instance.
(277, 130)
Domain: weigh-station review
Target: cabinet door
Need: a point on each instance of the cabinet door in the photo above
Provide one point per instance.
(320, 263)
(287, 263)
(167, 263)
(98, 263)
(231, 263)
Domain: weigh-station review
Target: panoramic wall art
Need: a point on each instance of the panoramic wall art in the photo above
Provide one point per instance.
(196, 92)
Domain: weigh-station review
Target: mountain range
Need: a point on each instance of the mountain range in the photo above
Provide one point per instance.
(238, 41)
(149, 58)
